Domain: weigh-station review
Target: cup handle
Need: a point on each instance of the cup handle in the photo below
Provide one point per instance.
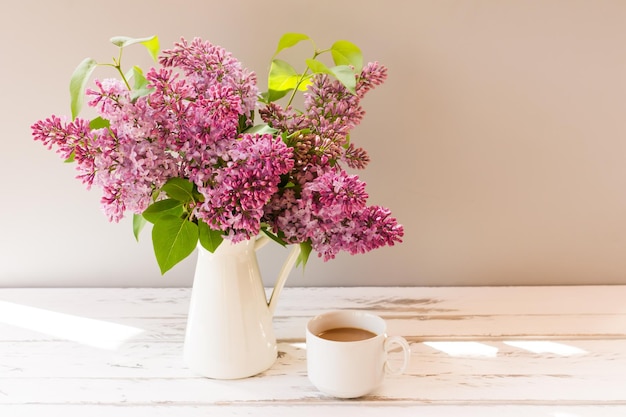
(406, 350)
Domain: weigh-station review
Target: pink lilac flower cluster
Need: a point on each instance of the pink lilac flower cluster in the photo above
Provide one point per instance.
(192, 126)
(327, 206)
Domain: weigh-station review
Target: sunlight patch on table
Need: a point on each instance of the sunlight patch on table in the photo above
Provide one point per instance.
(96, 333)
(465, 349)
(544, 346)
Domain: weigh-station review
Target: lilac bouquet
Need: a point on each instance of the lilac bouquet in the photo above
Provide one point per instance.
(179, 148)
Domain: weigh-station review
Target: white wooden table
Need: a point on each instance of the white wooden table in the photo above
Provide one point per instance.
(491, 351)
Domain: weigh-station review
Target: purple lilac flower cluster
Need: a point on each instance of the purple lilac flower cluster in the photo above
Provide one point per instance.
(327, 206)
(192, 126)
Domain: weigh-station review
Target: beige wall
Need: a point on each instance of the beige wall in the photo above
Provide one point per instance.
(499, 140)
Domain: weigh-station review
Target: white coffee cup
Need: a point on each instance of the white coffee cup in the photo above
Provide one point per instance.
(352, 368)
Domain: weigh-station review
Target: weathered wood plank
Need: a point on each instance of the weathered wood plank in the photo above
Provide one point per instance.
(537, 390)
(164, 360)
(427, 313)
(312, 409)
(427, 301)
(293, 329)
(77, 374)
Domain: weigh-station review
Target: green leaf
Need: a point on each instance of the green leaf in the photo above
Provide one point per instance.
(99, 123)
(140, 87)
(78, 82)
(209, 239)
(273, 95)
(138, 77)
(305, 250)
(179, 189)
(260, 129)
(347, 53)
(346, 76)
(282, 76)
(317, 67)
(288, 40)
(343, 73)
(162, 208)
(243, 120)
(305, 82)
(197, 195)
(70, 158)
(138, 223)
(151, 43)
(264, 97)
(173, 239)
(274, 237)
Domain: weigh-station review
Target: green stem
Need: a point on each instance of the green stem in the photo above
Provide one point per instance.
(295, 90)
(119, 69)
(118, 66)
(316, 53)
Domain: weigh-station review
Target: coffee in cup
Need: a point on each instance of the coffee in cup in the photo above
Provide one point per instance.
(346, 334)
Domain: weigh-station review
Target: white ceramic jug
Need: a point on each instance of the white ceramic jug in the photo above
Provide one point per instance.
(230, 332)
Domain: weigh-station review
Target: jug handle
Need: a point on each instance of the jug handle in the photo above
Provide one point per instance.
(284, 272)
